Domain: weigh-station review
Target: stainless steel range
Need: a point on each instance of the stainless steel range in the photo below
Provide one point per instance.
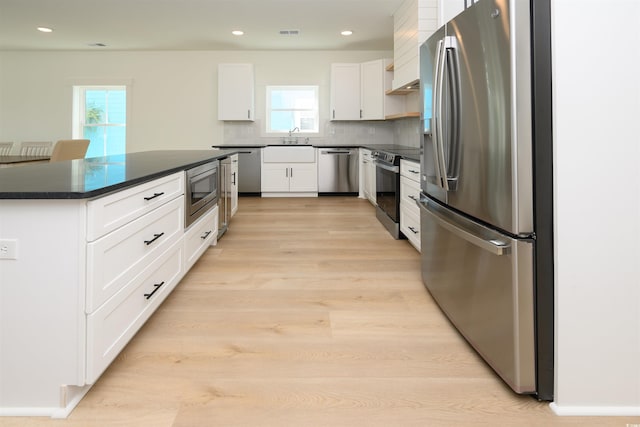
(388, 191)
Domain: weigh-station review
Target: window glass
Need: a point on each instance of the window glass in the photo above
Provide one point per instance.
(291, 107)
(101, 117)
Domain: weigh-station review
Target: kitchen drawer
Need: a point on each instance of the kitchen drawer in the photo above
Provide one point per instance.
(410, 192)
(117, 258)
(110, 212)
(117, 321)
(410, 223)
(200, 236)
(411, 170)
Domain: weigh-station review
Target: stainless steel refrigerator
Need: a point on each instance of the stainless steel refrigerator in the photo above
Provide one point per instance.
(486, 202)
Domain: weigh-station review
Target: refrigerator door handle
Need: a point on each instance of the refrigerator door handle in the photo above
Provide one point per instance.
(452, 170)
(437, 115)
(473, 233)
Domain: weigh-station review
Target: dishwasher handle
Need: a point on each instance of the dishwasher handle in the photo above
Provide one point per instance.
(325, 152)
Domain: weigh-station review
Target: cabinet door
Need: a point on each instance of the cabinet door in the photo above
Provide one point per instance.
(372, 90)
(235, 92)
(303, 177)
(372, 183)
(345, 92)
(234, 184)
(275, 177)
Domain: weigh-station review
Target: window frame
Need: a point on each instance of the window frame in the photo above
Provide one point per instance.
(268, 110)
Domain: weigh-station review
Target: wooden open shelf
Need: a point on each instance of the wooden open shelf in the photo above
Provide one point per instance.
(403, 115)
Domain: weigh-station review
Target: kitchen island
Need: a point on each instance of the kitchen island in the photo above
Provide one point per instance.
(88, 250)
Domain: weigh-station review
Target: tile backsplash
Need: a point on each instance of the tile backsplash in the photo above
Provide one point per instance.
(401, 132)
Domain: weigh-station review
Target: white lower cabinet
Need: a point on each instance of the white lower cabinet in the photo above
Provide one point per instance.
(289, 179)
(409, 194)
(410, 225)
(289, 171)
(115, 259)
(88, 276)
(234, 184)
(368, 176)
(200, 236)
(111, 327)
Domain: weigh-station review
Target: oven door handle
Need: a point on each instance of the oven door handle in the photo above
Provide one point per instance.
(386, 167)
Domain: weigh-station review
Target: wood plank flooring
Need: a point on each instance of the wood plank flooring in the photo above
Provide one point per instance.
(307, 313)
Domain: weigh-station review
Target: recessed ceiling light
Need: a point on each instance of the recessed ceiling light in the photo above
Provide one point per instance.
(45, 29)
(346, 32)
(237, 32)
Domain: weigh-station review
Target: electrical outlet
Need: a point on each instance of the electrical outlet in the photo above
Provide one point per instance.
(8, 249)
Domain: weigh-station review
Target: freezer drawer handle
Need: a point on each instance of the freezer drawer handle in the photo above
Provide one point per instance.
(493, 245)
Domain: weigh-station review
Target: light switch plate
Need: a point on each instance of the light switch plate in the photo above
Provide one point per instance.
(8, 249)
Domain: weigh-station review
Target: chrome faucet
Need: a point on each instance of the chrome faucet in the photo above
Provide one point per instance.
(293, 130)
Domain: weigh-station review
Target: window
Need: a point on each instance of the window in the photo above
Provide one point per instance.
(100, 115)
(290, 107)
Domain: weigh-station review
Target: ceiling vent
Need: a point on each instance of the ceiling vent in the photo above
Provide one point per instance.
(289, 32)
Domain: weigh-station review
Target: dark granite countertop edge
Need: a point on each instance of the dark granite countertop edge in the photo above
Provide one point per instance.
(108, 189)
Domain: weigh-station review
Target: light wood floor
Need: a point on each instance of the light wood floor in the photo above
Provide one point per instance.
(307, 313)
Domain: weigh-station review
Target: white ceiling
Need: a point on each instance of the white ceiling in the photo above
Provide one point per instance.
(197, 24)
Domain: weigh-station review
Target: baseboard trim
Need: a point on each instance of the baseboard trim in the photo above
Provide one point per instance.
(595, 411)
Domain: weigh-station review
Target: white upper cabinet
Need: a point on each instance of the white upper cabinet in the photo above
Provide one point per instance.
(375, 81)
(345, 92)
(358, 91)
(236, 92)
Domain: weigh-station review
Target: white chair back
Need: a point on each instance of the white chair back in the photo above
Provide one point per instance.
(5, 148)
(36, 148)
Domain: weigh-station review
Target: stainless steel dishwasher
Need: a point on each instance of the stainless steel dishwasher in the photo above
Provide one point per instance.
(338, 170)
(249, 164)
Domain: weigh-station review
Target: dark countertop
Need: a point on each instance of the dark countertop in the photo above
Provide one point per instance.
(88, 178)
(406, 152)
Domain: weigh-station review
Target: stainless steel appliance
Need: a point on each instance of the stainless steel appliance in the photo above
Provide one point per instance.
(486, 202)
(224, 200)
(338, 170)
(249, 164)
(201, 191)
(388, 191)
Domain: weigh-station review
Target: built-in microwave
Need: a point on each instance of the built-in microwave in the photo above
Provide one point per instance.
(202, 190)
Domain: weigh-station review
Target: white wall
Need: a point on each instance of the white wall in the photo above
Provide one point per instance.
(597, 205)
(174, 94)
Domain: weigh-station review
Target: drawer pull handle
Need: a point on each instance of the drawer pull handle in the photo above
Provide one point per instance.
(157, 286)
(412, 171)
(413, 198)
(205, 235)
(413, 230)
(154, 196)
(155, 237)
